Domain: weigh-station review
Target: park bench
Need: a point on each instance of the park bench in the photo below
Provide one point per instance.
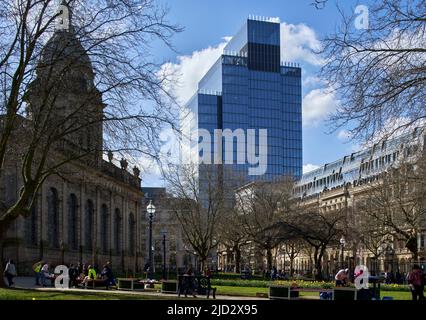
(130, 284)
(200, 285)
(93, 283)
(292, 293)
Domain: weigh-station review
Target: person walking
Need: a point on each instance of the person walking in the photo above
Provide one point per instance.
(10, 272)
(416, 282)
(37, 270)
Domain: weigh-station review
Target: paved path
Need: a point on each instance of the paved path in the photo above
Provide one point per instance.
(29, 283)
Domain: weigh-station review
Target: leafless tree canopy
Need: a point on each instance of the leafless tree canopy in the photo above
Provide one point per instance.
(397, 204)
(199, 207)
(79, 91)
(262, 206)
(379, 72)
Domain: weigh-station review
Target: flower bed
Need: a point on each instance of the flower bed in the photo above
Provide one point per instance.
(298, 283)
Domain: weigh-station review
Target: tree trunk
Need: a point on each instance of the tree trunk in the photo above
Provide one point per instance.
(201, 263)
(291, 266)
(269, 259)
(318, 266)
(2, 265)
(318, 263)
(237, 251)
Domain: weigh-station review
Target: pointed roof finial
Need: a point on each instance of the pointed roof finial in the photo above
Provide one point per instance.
(64, 18)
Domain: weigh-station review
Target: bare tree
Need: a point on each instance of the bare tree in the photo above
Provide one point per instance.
(98, 51)
(371, 234)
(262, 206)
(397, 202)
(198, 205)
(232, 235)
(292, 249)
(378, 69)
(317, 229)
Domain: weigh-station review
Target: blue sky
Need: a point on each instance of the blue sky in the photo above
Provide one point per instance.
(207, 22)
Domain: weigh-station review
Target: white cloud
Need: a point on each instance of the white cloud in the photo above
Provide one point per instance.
(312, 81)
(317, 105)
(298, 43)
(190, 69)
(344, 135)
(309, 167)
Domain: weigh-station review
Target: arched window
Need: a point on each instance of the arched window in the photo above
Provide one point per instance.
(72, 222)
(132, 234)
(53, 218)
(32, 226)
(104, 228)
(88, 225)
(117, 231)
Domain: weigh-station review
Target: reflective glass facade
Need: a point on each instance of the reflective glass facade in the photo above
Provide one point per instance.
(249, 88)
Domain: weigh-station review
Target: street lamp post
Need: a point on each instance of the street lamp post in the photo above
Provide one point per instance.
(150, 209)
(164, 255)
(342, 248)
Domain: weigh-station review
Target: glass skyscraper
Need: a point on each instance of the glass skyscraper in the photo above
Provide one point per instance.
(250, 88)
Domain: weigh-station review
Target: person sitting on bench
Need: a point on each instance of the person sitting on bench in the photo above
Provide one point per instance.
(108, 275)
(91, 275)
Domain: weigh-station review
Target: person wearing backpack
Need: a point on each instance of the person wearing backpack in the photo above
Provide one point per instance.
(416, 282)
(37, 270)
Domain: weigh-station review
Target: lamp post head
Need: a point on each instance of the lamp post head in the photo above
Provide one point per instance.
(342, 241)
(150, 208)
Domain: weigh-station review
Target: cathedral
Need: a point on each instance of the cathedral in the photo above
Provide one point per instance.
(90, 210)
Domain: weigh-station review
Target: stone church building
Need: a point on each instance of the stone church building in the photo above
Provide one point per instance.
(91, 210)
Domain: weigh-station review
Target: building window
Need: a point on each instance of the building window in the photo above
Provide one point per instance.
(117, 231)
(132, 234)
(53, 218)
(88, 225)
(72, 222)
(104, 228)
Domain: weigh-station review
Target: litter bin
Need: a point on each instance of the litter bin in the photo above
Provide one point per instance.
(373, 292)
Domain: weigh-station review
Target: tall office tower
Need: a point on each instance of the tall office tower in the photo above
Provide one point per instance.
(247, 89)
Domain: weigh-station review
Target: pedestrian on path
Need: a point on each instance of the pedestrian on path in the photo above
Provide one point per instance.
(10, 272)
(37, 270)
(417, 283)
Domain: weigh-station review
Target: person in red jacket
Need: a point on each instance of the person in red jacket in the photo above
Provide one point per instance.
(416, 282)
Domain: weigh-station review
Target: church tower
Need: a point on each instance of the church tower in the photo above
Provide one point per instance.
(64, 95)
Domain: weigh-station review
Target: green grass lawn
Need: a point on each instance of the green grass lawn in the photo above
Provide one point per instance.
(18, 294)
